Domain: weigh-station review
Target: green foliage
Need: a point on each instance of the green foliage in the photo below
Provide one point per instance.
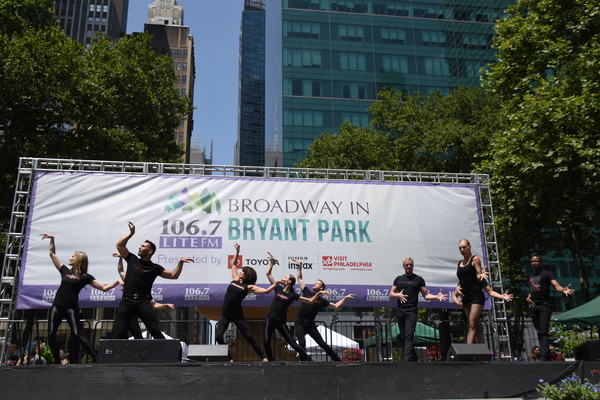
(412, 133)
(544, 165)
(568, 336)
(572, 388)
(111, 100)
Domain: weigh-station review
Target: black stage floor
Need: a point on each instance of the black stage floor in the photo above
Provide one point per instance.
(287, 380)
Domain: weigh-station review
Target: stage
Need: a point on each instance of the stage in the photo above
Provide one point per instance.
(288, 380)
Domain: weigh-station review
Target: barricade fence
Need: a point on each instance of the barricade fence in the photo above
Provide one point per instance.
(373, 340)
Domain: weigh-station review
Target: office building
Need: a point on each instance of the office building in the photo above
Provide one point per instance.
(82, 19)
(250, 146)
(171, 37)
(326, 60)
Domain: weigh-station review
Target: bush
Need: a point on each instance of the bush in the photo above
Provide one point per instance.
(572, 388)
(352, 355)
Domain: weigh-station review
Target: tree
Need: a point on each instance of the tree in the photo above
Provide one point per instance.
(113, 100)
(544, 167)
(413, 133)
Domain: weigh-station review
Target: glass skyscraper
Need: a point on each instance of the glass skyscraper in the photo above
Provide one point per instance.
(250, 146)
(327, 59)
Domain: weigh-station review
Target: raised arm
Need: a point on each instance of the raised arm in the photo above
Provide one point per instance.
(177, 271)
(105, 288)
(299, 274)
(52, 250)
(270, 269)
(234, 272)
(428, 296)
(122, 243)
(334, 306)
(394, 294)
(120, 266)
(566, 290)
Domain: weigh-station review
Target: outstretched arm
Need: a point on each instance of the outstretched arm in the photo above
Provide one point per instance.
(481, 273)
(160, 306)
(122, 243)
(566, 290)
(311, 300)
(299, 274)
(234, 272)
(270, 269)
(258, 290)
(120, 266)
(398, 295)
(177, 271)
(334, 306)
(428, 296)
(105, 288)
(52, 250)
(506, 296)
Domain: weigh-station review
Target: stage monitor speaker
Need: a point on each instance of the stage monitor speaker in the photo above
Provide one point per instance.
(469, 352)
(139, 351)
(208, 352)
(588, 351)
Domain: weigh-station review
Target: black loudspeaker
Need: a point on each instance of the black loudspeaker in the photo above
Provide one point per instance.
(139, 351)
(588, 351)
(208, 353)
(469, 352)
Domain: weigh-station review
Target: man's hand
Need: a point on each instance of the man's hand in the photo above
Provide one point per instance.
(401, 296)
(441, 296)
(131, 228)
(530, 302)
(568, 291)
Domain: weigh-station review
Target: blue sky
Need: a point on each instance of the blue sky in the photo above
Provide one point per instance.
(215, 26)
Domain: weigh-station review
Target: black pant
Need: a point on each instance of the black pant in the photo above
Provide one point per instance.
(305, 327)
(270, 326)
(57, 313)
(540, 315)
(129, 310)
(407, 322)
(242, 326)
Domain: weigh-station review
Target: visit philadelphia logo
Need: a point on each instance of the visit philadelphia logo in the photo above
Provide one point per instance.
(191, 201)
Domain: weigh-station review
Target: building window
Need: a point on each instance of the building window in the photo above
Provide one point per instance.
(393, 35)
(353, 61)
(181, 136)
(436, 66)
(179, 53)
(182, 122)
(182, 92)
(185, 66)
(184, 79)
(178, 66)
(185, 54)
(351, 33)
(433, 38)
(303, 117)
(301, 58)
(302, 29)
(173, 53)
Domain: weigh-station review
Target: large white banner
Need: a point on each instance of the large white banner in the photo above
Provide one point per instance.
(352, 235)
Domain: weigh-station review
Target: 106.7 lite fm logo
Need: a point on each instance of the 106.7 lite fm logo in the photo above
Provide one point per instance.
(179, 234)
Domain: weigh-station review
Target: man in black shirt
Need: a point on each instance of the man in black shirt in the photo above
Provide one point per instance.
(305, 320)
(406, 289)
(540, 309)
(141, 273)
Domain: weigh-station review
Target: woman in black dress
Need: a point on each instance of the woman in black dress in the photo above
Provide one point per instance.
(277, 316)
(66, 301)
(242, 284)
(471, 280)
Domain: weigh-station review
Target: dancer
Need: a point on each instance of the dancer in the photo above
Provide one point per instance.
(408, 305)
(141, 273)
(66, 301)
(471, 280)
(242, 284)
(277, 316)
(305, 320)
(539, 302)
(134, 325)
